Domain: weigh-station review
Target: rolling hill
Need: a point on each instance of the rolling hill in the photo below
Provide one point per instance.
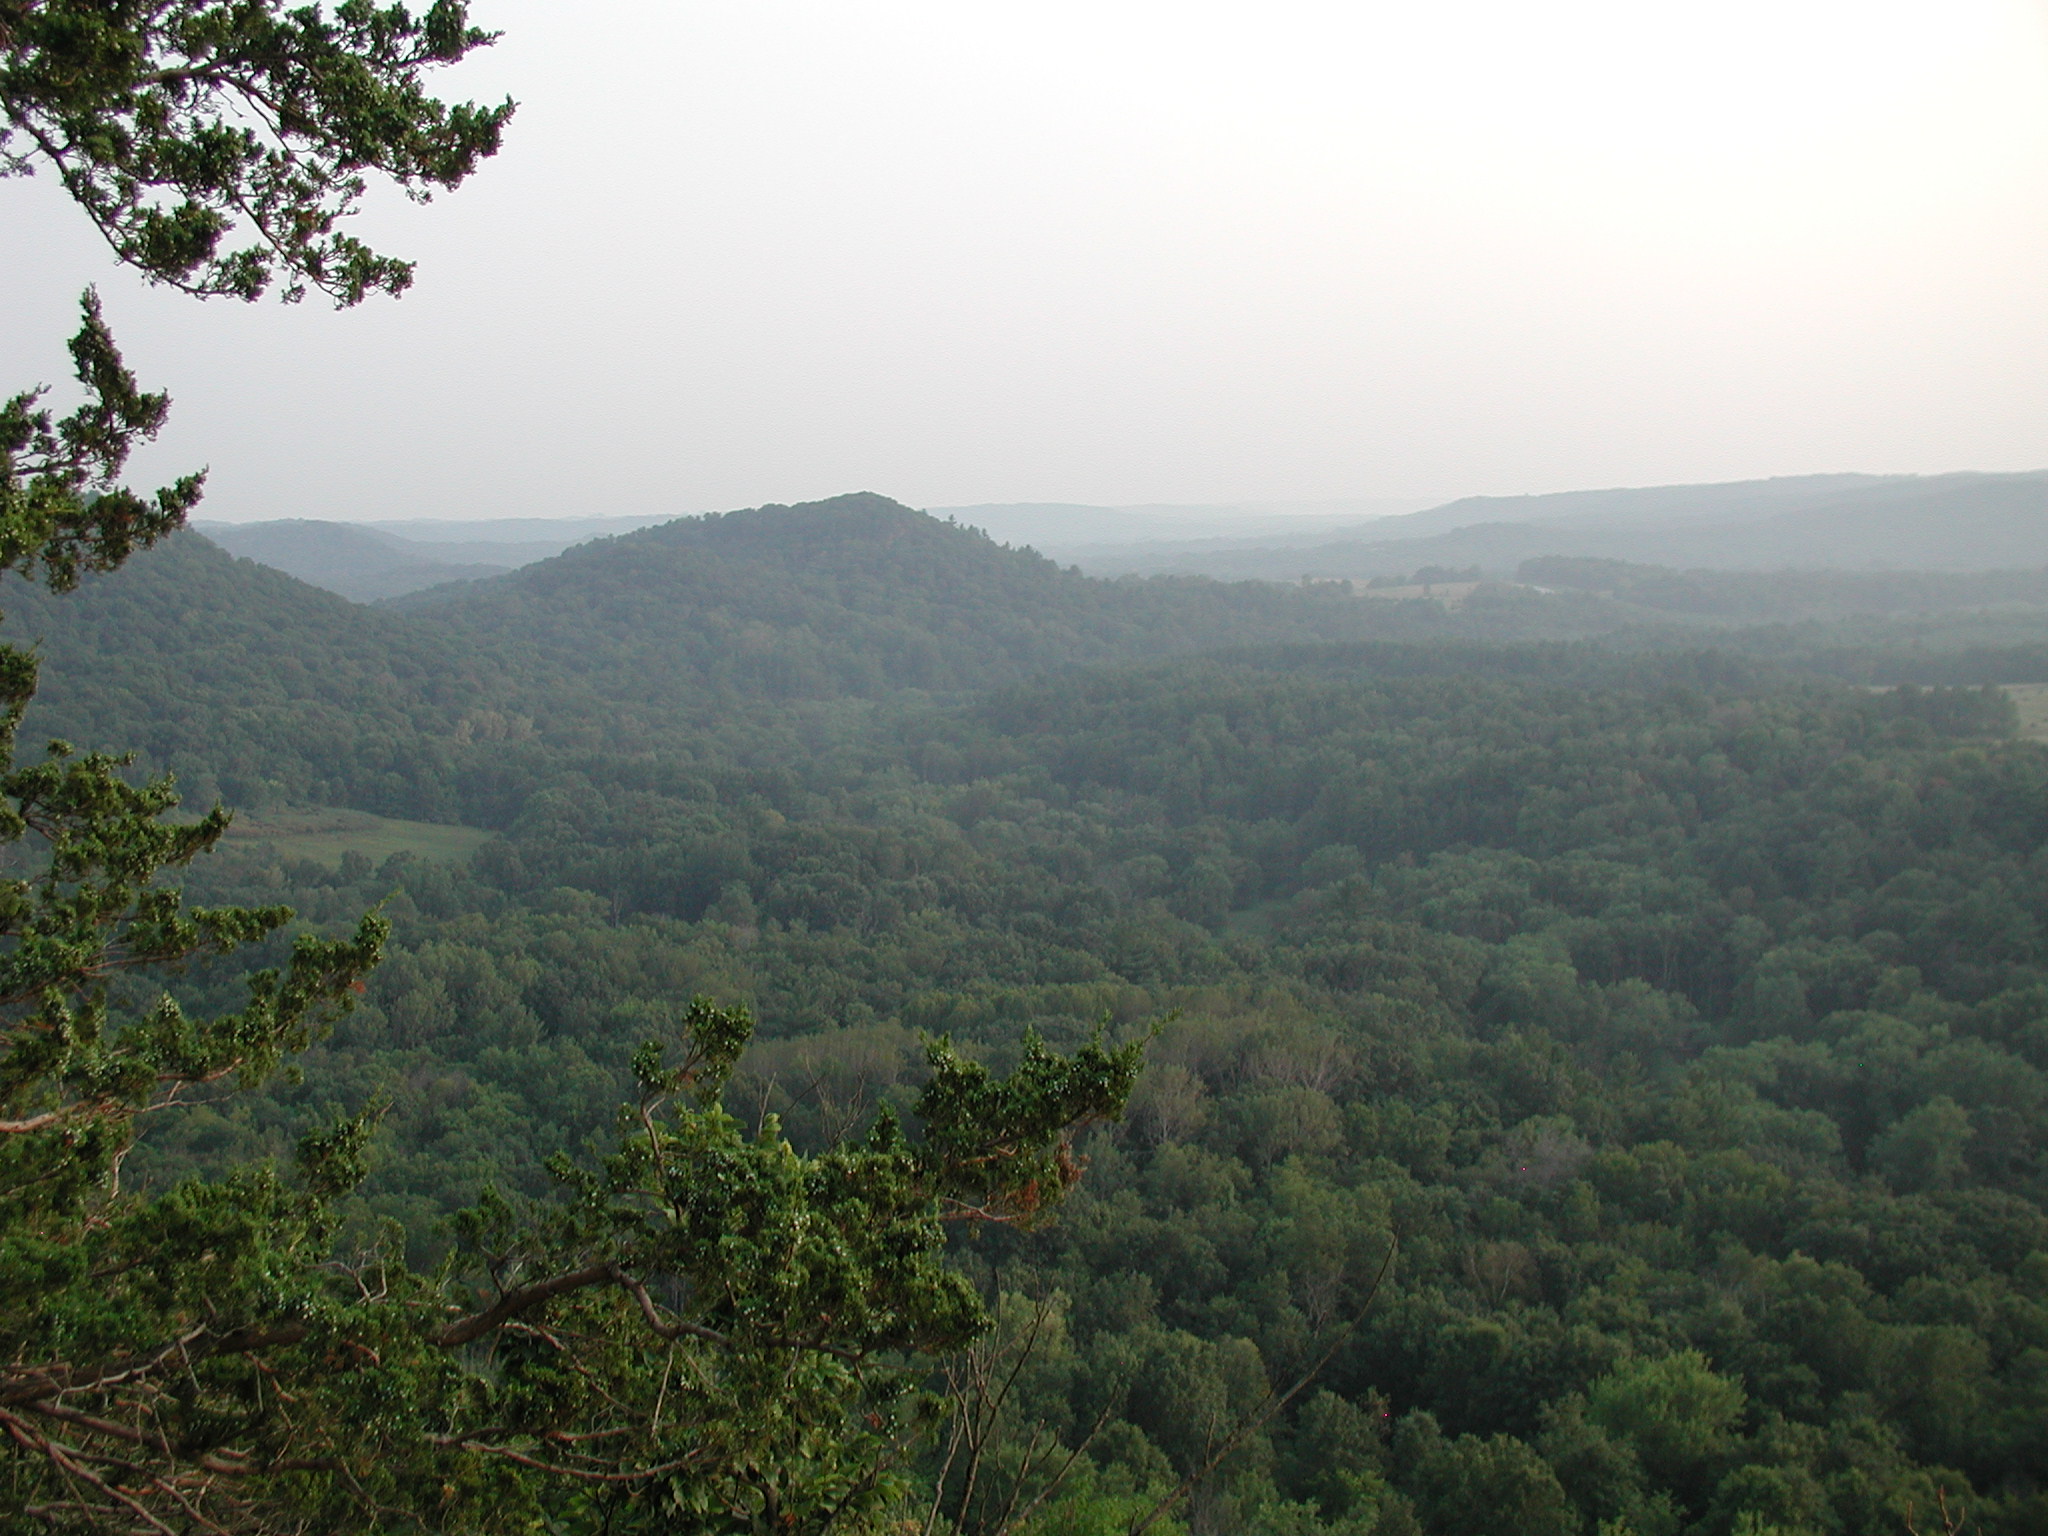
(263, 689)
(1963, 522)
(862, 596)
(351, 561)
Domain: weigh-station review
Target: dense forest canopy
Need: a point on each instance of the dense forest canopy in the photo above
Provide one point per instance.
(927, 1041)
(1606, 1080)
(713, 1327)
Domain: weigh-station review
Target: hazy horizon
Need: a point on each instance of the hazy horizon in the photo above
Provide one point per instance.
(1129, 253)
(1360, 509)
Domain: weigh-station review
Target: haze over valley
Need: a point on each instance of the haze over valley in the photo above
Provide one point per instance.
(1061, 770)
(1816, 523)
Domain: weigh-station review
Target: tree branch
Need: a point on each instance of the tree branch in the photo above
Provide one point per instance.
(676, 1329)
(522, 1298)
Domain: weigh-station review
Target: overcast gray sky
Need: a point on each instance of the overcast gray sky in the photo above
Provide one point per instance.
(962, 251)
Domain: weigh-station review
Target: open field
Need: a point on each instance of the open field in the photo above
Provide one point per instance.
(323, 834)
(2032, 700)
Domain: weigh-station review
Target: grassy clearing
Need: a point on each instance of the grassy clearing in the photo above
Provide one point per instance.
(1261, 920)
(323, 835)
(2032, 702)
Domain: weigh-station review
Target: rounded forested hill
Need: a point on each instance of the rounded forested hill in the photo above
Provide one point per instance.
(254, 686)
(861, 595)
(249, 684)
(688, 637)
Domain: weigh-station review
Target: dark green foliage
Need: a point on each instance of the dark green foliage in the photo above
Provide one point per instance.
(716, 1313)
(178, 126)
(1678, 1018)
(63, 510)
(1683, 1022)
(137, 1313)
(702, 1329)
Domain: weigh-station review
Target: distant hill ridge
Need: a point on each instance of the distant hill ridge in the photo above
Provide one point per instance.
(651, 644)
(1662, 505)
(1959, 522)
(1956, 522)
(859, 595)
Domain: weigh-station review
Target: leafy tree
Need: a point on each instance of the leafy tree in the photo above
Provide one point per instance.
(1470, 1484)
(722, 1312)
(127, 1322)
(1677, 1411)
(134, 1391)
(1924, 1150)
(708, 1331)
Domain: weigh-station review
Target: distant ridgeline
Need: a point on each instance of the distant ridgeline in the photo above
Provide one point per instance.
(249, 683)
(1610, 1050)
(244, 679)
(1963, 522)
(862, 597)
(1899, 523)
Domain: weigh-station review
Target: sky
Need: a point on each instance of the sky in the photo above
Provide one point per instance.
(1131, 251)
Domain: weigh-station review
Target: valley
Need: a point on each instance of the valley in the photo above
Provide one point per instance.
(1560, 1006)
(1439, 929)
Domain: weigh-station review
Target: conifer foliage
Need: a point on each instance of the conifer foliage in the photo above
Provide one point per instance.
(708, 1330)
(129, 1328)
(218, 144)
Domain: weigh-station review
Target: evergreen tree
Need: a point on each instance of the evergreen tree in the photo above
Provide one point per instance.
(711, 1329)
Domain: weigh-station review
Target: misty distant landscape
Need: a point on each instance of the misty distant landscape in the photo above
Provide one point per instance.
(1868, 531)
(889, 824)
(1654, 893)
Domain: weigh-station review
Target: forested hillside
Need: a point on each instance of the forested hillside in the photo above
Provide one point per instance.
(245, 681)
(251, 685)
(1614, 1080)
(861, 596)
(1956, 522)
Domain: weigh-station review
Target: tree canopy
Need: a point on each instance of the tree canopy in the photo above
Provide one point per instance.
(219, 144)
(1607, 1085)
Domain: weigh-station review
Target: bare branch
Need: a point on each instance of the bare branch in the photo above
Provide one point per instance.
(520, 1299)
(667, 1330)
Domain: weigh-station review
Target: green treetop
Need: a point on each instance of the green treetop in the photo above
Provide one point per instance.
(218, 144)
(710, 1331)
